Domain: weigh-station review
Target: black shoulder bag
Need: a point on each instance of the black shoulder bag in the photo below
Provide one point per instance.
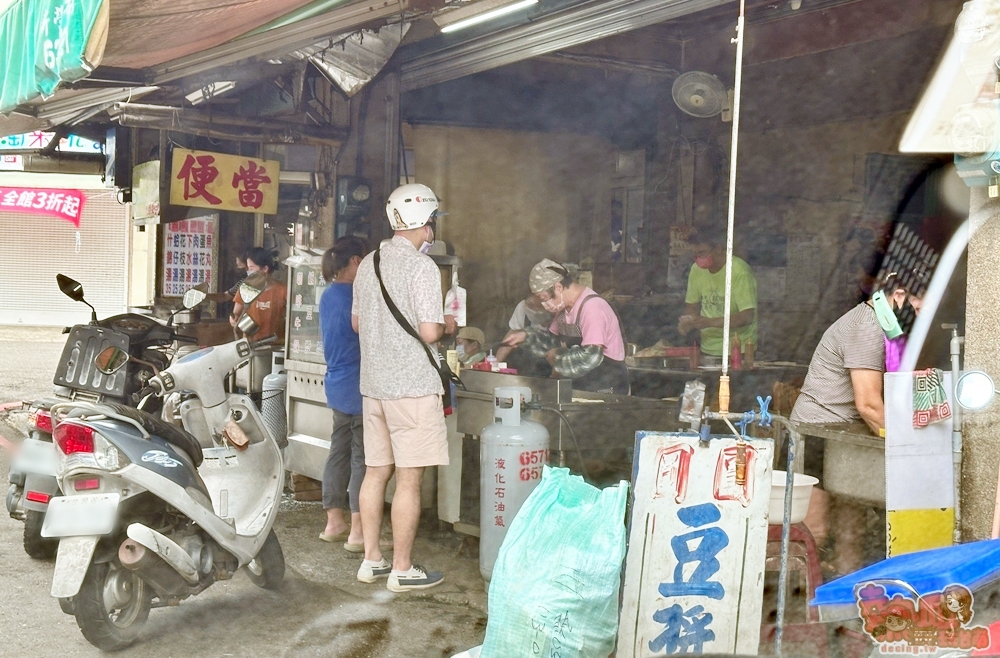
(441, 366)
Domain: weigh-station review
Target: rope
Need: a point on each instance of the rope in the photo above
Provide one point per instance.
(732, 189)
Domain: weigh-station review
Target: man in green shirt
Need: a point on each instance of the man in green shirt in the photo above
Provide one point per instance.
(706, 296)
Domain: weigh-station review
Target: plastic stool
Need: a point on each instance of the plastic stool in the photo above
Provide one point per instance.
(802, 556)
(810, 638)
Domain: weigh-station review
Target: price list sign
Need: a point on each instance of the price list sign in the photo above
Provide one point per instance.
(188, 255)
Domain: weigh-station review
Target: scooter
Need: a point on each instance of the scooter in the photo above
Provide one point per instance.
(150, 517)
(32, 475)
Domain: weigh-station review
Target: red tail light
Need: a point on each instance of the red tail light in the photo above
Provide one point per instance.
(43, 421)
(38, 497)
(87, 485)
(71, 437)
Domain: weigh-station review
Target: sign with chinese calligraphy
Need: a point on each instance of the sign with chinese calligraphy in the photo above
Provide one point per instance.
(189, 255)
(226, 182)
(64, 204)
(694, 573)
(46, 42)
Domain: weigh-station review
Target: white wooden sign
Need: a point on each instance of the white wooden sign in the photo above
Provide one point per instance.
(694, 572)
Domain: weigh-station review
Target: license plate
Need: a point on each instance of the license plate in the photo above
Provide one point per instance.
(36, 457)
(74, 516)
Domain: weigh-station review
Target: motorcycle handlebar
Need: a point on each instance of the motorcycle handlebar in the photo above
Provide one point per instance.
(148, 390)
(185, 339)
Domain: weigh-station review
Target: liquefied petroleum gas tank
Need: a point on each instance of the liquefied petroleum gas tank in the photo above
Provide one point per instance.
(513, 449)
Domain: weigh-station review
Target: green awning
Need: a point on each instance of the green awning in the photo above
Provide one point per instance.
(45, 42)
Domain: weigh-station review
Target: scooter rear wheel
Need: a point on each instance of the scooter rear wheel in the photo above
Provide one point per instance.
(112, 606)
(267, 570)
(36, 546)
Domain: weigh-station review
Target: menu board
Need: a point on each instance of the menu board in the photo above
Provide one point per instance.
(189, 255)
(305, 342)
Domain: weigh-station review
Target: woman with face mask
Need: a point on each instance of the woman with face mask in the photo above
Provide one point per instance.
(584, 342)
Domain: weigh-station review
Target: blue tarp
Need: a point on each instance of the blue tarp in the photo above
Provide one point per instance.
(973, 565)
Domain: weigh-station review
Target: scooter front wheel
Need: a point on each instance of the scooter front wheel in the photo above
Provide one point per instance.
(112, 606)
(268, 569)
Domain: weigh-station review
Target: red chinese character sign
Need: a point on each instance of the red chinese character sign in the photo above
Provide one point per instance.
(203, 179)
(64, 204)
(694, 573)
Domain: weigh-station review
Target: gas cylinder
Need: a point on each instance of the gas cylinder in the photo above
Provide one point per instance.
(272, 407)
(512, 451)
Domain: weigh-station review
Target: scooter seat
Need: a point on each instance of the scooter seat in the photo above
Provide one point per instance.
(170, 433)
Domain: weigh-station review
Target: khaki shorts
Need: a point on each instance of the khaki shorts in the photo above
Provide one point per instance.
(409, 432)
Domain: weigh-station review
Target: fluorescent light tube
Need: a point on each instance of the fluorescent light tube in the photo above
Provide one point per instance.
(488, 16)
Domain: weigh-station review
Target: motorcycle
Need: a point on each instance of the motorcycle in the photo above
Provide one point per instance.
(150, 516)
(32, 475)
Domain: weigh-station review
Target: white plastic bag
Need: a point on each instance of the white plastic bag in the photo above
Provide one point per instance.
(455, 301)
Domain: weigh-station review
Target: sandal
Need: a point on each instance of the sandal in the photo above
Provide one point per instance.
(384, 544)
(333, 539)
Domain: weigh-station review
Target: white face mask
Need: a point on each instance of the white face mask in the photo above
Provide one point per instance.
(460, 349)
(553, 306)
(426, 246)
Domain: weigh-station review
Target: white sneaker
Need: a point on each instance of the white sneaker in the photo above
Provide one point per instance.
(371, 571)
(416, 578)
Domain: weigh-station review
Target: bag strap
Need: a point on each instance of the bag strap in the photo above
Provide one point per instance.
(394, 310)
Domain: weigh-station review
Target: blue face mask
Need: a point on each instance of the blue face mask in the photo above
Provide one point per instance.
(460, 349)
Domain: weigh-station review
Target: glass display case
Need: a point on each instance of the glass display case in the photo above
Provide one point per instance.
(305, 343)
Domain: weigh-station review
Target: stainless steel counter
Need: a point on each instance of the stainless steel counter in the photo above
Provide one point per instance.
(605, 424)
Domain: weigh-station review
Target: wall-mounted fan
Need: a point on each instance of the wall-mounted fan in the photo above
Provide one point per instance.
(701, 94)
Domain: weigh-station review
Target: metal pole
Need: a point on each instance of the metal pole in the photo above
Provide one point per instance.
(793, 437)
(732, 191)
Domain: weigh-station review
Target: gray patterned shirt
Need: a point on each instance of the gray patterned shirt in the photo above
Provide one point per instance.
(393, 364)
(855, 341)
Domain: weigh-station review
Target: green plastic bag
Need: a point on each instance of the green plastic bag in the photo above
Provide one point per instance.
(555, 585)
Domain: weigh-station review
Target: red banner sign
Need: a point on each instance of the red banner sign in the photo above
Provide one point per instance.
(64, 204)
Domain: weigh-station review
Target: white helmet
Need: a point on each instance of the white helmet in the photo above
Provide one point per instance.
(410, 206)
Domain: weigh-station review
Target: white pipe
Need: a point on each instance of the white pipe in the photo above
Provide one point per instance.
(732, 189)
(955, 348)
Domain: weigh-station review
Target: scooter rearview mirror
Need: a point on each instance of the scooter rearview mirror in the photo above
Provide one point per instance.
(193, 297)
(249, 293)
(974, 390)
(111, 360)
(70, 288)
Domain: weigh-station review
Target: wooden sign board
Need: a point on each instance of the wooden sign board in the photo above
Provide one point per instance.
(694, 573)
(203, 179)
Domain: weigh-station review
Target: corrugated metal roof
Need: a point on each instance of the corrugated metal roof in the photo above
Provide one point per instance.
(144, 33)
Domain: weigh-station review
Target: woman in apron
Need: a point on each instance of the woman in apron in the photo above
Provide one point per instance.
(585, 342)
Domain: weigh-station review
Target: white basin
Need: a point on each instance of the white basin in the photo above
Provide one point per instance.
(802, 489)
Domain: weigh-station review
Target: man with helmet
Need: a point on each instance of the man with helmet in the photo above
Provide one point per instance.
(584, 342)
(404, 426)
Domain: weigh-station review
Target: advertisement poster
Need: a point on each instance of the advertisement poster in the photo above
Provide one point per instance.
(189, 255)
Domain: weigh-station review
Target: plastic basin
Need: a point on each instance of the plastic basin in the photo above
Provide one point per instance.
(802, 489)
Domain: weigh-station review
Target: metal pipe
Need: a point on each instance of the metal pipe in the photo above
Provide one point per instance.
(955, 348)
(793, 436)
(727, 312)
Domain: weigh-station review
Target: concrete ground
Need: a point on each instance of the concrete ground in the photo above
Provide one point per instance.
(320, 610)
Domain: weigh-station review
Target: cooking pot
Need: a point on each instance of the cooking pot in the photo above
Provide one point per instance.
(247, 325)
(188, 316)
